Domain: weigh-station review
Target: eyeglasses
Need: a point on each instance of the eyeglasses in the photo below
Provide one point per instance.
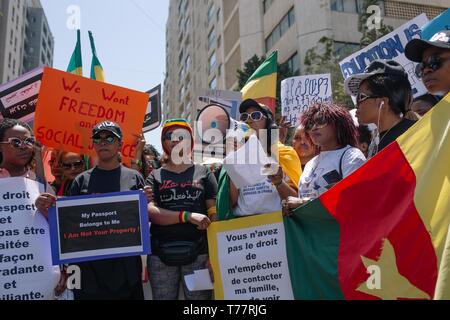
(317, 123)
(255, 116)
(363, 97)
(433, 62)
(108, 140)
(74, 166)
(18, 143)
(176, 136)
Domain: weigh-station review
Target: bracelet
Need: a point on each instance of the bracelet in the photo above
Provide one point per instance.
(212, 211)
(184, 216)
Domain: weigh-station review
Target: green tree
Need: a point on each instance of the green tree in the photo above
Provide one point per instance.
(323, 59)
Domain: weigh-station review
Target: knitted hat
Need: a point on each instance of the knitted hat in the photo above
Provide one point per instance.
(176, 123)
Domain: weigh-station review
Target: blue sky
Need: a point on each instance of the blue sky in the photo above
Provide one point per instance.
(129, 37)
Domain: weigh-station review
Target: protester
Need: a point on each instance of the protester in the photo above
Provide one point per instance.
(72, 164)
(55, 168)
(184, 197)
(364, 139)
(433, 57)
(303, 145)
(234, 202)
(384, 98)
(147, 158)
(111, 279)
(17, 149)
(331, 128)
(423, 104)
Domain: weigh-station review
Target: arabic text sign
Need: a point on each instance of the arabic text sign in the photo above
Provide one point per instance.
(18, 98)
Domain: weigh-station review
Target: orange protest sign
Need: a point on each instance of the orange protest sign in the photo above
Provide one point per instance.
(69, 107)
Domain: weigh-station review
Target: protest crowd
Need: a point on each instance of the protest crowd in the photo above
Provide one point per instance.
(185, 198)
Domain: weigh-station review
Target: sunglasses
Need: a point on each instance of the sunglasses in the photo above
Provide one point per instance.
(363, 97)
(254, 116)
(433, 62)
(108, 140)
(176, 136)
(18, 143)
(75, 165)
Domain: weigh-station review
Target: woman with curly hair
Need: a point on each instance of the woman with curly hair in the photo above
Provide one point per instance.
(332, 129)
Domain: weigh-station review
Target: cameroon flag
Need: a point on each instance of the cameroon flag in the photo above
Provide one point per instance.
(262, 85)
(96, 67)
(76, 61)
(382, 233)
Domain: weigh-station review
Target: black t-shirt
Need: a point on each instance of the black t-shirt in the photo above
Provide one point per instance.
(186, 191)
(112, 275)
(387, 137)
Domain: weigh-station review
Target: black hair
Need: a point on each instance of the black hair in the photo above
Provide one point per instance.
(396, 88)
(150, 150)
(432, 100)
(364, 134)
(6, 124)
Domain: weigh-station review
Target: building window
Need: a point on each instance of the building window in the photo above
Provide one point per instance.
(212, 62)
(344, 49)
(211, 13)
(276, 34)
(213, 84)
(266, 5)
(294, 64)
(211, 38)
(352, 6)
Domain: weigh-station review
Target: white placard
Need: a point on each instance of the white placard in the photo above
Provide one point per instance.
(26, 270)
(299, 93)
(391, 46)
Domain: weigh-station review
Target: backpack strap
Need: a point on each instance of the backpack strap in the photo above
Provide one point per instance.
(340, 163)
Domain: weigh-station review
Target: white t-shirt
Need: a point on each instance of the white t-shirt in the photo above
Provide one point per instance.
(322, 172)
(258, 199)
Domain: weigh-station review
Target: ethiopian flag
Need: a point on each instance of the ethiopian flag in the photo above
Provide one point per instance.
(262, 85)
(76, 61)
(382, 233)
(96, 67)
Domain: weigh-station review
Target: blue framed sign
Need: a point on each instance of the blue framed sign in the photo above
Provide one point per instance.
(98, 227)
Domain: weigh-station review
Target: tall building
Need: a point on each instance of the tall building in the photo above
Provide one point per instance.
(12, 35)
(26, 41)
(209, 40)
(39, 42)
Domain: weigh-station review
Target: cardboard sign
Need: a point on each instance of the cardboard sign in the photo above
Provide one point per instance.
(69, 107)
(249, 259)
(299, 93)
(26, 269)
(99, 227)
(18, 98)
(391, 46)
(153, 115)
